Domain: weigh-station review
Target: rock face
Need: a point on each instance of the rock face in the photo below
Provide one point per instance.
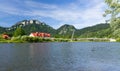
(26, 22)
(33, 26)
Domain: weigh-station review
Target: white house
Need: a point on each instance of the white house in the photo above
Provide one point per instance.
(112, 40)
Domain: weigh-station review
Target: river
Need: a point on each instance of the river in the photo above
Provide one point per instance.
(60, 56)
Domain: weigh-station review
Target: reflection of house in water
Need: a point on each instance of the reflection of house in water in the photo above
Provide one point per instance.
(38, 49)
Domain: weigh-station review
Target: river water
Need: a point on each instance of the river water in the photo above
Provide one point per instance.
(76, 56)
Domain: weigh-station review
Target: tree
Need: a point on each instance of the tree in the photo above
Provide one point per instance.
(19, 32)
(113, 7)
(114, 11)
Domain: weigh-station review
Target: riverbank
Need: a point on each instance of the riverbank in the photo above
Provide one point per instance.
(27, 39)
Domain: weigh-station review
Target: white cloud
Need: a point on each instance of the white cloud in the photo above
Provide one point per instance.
(38, 5)
(73, 13)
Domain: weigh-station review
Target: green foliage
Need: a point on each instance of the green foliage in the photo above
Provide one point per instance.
(116, 33)
(100, 30)
(61, 40)
(34, 39)
(19, 32)
(1, 37)
(118, 39)
(114, 11)
(2, 30)
(114, 7)
(29, 39)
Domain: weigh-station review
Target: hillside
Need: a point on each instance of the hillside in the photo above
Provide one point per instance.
(65, 31)
(99, 30)
(2, 29)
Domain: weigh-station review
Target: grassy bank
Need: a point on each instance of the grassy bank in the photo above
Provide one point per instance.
(25, 39)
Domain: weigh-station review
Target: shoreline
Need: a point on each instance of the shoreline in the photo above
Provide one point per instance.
(10, 41)
(27, 39)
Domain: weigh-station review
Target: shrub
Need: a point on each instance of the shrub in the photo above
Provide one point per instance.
(16, 38)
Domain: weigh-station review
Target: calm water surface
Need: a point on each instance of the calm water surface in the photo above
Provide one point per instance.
(80, 56)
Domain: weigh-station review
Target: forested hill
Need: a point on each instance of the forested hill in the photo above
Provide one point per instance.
(2, 29)
(99, 30)
(65, 31)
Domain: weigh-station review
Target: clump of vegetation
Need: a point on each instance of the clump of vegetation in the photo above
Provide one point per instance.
(30, 39)
(61, 40)
(1, 38)
(118, 39)
(19, 32)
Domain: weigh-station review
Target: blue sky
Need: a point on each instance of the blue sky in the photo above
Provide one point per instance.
(80, 13)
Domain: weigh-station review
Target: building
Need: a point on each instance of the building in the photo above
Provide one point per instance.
(39, 34)
(5, 36)
(112, 40)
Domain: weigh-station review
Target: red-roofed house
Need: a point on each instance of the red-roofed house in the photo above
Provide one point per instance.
(5, 36)
(39, 34)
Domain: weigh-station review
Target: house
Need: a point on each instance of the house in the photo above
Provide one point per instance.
(5, 36)
(112, 40)
(40, 34)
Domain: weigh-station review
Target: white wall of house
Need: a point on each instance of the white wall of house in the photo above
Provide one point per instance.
(31, 35)
(112, 40)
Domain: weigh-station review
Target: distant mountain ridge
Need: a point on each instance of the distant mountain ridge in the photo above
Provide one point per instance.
(64, 31)
(2, 29)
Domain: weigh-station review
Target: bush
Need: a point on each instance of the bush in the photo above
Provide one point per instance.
(16, 38)
(19, 32)
(118, 39)
(34, 39)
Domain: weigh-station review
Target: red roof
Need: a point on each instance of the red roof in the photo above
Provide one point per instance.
(5, 36)
(39, 34)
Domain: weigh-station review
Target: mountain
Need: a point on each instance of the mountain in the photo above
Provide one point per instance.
(65, 31)
(99, 30)
(33, 26)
